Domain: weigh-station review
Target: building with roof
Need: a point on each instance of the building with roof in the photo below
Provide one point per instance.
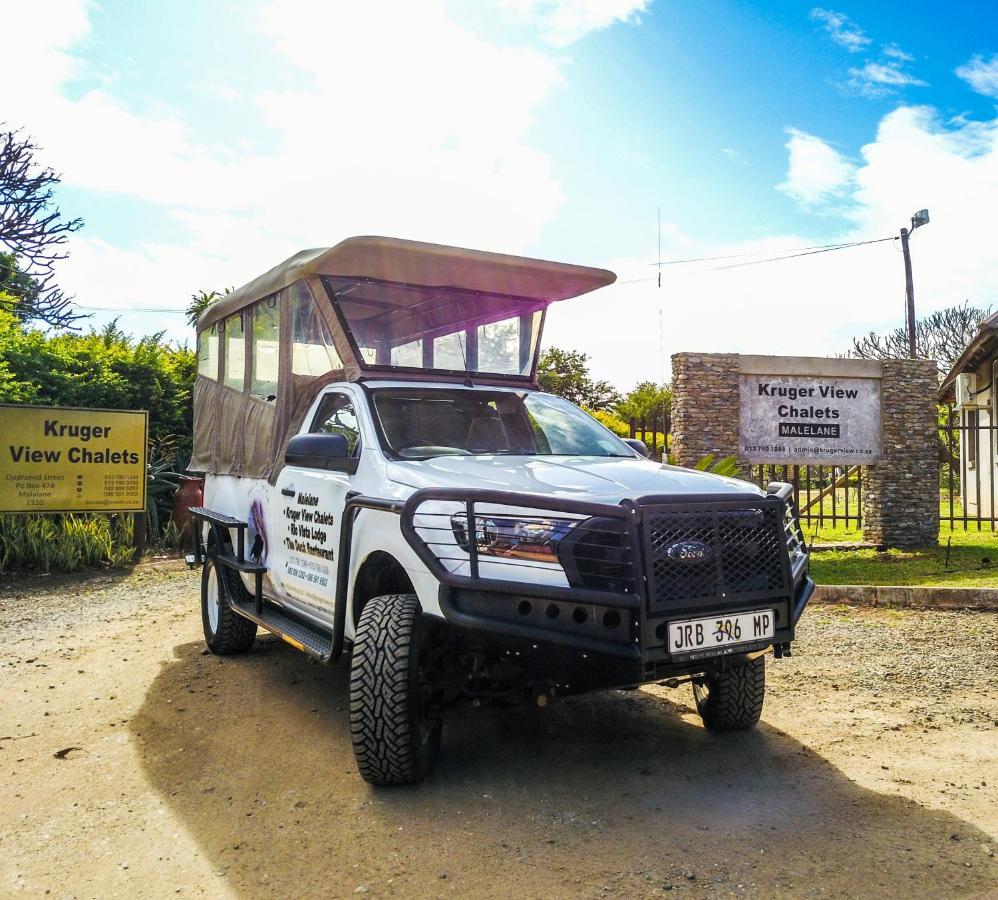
(972, 386)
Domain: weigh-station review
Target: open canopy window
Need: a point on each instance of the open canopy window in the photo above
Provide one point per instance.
(443, 329)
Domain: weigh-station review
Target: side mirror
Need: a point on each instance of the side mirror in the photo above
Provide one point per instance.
(637, 445)
(321, 451)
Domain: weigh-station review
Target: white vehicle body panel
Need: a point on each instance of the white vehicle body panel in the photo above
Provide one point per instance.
(300, 529)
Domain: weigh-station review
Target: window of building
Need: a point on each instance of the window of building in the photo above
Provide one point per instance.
(312, 351)
(970, 437)
(266, 348)
(234, 365)
(336, 415)
(208, 352)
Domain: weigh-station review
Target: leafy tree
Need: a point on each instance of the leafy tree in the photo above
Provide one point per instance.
(200, 302)
(34, 233)
(941, 336)
(21, 289)
(646, 401)
(566, 373)
(105, 368)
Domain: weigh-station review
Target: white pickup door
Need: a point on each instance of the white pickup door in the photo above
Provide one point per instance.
(306, 515)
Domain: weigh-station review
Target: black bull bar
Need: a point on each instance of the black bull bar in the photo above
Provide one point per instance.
(629, 621)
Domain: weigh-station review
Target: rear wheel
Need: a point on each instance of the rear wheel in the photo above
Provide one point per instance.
(225, 632)
(395, 735)
(732, 700)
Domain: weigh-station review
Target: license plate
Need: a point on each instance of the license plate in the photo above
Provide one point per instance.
(718, 634)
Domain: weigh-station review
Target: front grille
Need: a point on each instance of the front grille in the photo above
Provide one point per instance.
(714, 554)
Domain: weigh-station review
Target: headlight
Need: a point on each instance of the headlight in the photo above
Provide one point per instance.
(533, 539)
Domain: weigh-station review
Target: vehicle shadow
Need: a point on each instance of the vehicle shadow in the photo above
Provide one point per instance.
(620, 792)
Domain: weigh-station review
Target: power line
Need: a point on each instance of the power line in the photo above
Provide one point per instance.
(839, 246)
(826, 249)
(804, 251)
(135, 309)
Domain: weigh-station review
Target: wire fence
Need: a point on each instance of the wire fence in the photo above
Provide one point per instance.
(832, 496)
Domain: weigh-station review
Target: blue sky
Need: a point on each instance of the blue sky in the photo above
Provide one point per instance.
(204, 142)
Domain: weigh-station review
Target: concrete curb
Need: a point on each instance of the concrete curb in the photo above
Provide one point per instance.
(907, 597)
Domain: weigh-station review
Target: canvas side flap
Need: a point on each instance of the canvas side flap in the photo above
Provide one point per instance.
(204, 399)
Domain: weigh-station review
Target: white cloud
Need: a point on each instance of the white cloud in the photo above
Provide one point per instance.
(981, 74)
(841, 29)
(812, 305)
(562, 22)
(893, 51)
(431, 140)
(817, 172)
(734, 156)
(224, 92)
(878, 79)
(415, 130)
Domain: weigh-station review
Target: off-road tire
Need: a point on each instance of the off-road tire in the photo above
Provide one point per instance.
(394, 740)
(732, 700)
(231, 633)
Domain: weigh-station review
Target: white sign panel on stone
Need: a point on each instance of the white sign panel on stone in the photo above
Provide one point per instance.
(809, 419)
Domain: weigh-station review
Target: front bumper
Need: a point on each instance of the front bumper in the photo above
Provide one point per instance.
(618, 637)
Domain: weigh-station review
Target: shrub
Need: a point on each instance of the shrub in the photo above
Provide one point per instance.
(104, 369)
(65, 543)
(617, 425)
(107, 369)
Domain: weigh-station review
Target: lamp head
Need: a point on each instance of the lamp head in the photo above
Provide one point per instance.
(920, 218)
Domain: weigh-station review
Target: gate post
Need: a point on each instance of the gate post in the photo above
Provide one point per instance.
(704, 407)
(901, 492)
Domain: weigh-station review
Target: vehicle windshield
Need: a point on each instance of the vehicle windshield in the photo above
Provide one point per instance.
(420, 423)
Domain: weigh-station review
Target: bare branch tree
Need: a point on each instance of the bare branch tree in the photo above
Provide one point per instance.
(34, 231)
(941, 336)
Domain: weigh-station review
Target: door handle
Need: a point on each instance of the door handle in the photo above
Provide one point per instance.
(288, 492)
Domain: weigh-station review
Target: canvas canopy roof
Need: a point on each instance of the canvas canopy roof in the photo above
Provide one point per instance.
(418, 263)
(367, 305)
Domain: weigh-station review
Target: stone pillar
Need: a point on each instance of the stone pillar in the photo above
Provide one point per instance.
(705, 405)
(901, 492)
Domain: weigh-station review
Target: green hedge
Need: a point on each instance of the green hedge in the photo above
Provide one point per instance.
(101, 369)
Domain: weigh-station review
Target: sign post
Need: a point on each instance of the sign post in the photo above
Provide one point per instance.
(60, 459)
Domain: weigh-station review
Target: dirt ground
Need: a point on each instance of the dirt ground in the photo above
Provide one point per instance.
(873, 774)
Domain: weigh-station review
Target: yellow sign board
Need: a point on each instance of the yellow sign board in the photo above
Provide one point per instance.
(62, 459)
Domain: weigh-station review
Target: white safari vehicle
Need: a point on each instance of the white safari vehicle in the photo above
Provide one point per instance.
(384, 477)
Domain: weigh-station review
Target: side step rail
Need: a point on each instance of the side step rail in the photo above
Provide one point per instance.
(301, 635)
(326, 645)
(220, 525)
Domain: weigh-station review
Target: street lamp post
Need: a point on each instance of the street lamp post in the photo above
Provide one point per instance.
(920, 218)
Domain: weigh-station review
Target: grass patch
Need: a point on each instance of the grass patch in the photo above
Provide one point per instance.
(971, 561)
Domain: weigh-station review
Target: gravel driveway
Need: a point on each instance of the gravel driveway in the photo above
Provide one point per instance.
(136, 765)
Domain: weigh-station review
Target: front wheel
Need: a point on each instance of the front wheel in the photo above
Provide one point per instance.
(732, 700)
(395, 735)
(225, 632)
